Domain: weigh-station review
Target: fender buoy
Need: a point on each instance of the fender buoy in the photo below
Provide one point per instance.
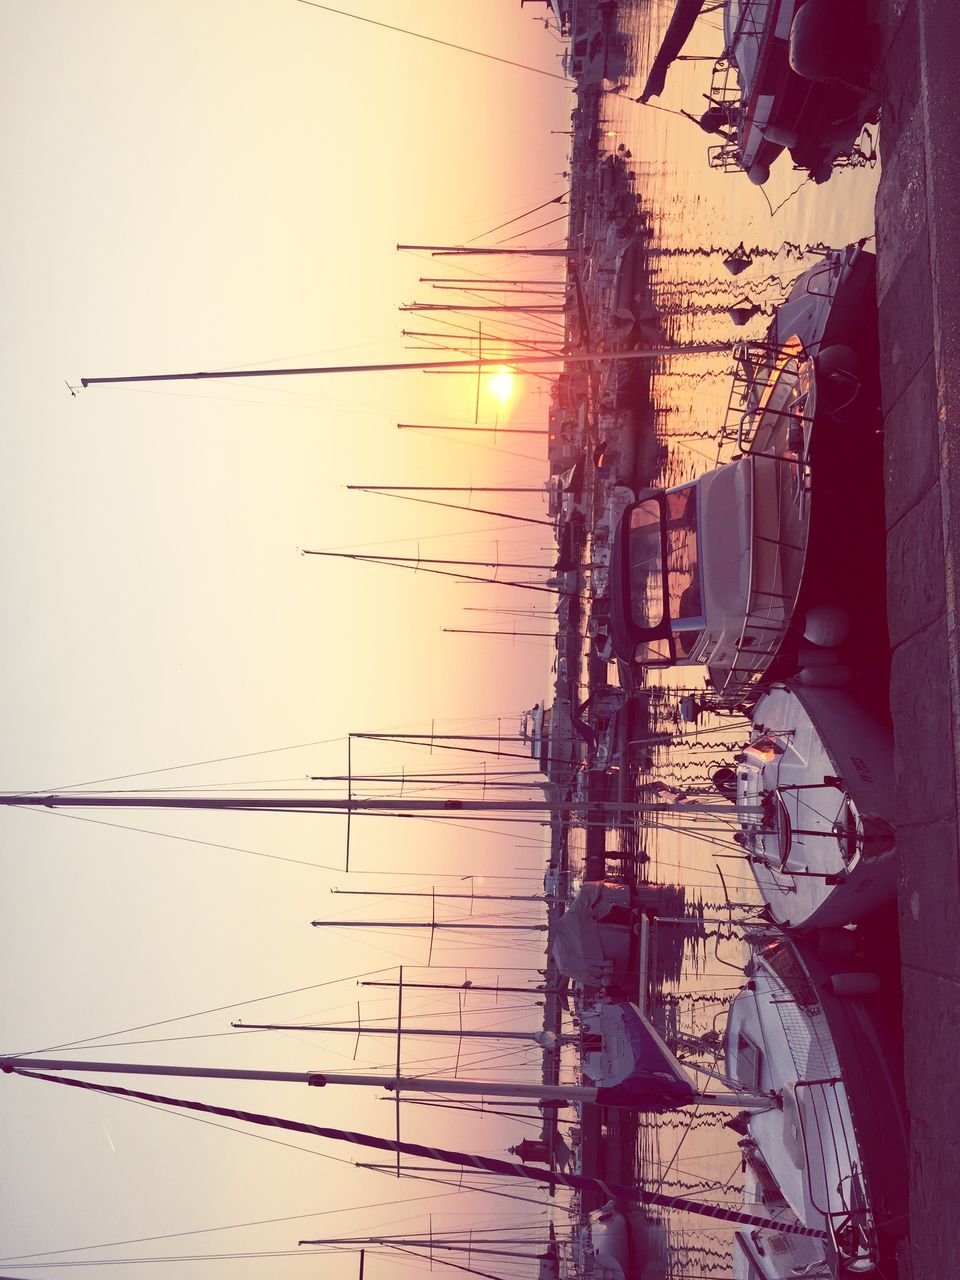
(829, 41)
(826, 625)
(833, 677)
(837, 370)
(853, 984)
(758, 173)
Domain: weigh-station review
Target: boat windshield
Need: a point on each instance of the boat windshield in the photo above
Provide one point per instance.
(670, 528)
(645, 564)
(683, 563)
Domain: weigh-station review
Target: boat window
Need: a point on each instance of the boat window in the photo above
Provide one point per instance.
(675, 524)
(683, 566)
(645, 564)
(749, 1063)
(654, 653)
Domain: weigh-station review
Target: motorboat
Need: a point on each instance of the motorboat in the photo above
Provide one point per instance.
(836, 1145)
(748, 568)
(597, 52)
(815, 803)
(601, 720)
(794, 75)
(772, 85)
(535, 732)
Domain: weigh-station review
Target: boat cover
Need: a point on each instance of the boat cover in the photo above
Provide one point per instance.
(584, 947)
(675, 37)
(637, 1068)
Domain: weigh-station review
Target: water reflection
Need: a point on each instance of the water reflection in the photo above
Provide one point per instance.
(695, 217)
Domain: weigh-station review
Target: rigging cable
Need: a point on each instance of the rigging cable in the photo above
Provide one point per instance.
(447, 44)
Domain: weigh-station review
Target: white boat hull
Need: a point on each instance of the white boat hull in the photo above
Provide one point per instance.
(817, 813)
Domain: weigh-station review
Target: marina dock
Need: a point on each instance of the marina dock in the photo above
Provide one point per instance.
(918, 247)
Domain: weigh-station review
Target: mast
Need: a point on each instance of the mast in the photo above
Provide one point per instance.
(487, 631)
(459, 506)
(394, 1084)
(534, 1037)
(482, 1245)
(470, 897)
(551, 308)
(462, 250)
(480, 564)
(401, 562)
(578, 357)
(501, 431)
(345, 805)
(481, 282)
(554, 1178)
(421, 924)
(465, 987)
(452, 488)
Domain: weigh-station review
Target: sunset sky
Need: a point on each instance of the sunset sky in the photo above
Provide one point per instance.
(212, 184)
(207, 185)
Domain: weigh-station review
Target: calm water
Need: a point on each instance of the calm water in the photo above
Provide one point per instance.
(694, 207)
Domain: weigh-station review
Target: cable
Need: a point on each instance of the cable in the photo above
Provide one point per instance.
(201, 1013)
(447, 44)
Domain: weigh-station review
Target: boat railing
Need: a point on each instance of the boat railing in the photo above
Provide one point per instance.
(827, 1132)
(765, 625)
(832, 1163)
(725, 89)
(725, 104)
(755, 366)
(726, 158)
(758, 368)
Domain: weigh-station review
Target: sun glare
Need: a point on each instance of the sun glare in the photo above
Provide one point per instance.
(501, 384)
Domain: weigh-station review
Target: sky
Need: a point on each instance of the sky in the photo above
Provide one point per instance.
(218, 185)
(223, 184)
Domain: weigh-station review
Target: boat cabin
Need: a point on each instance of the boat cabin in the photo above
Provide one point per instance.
(709, 572)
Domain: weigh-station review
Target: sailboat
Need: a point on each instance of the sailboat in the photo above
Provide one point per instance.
(836, 1146)
(815, 800)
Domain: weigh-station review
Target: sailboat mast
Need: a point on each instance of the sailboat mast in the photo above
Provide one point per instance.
(497, 431)
(462, 250)
(455, 1032)
(546, 308)
(397, 366)
(506, 1168)
(394, 1084)
(421, 924)
(345, 804)
(469, 897)
(466, 987)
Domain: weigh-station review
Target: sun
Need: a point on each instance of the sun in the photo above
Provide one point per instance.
(501, 384)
